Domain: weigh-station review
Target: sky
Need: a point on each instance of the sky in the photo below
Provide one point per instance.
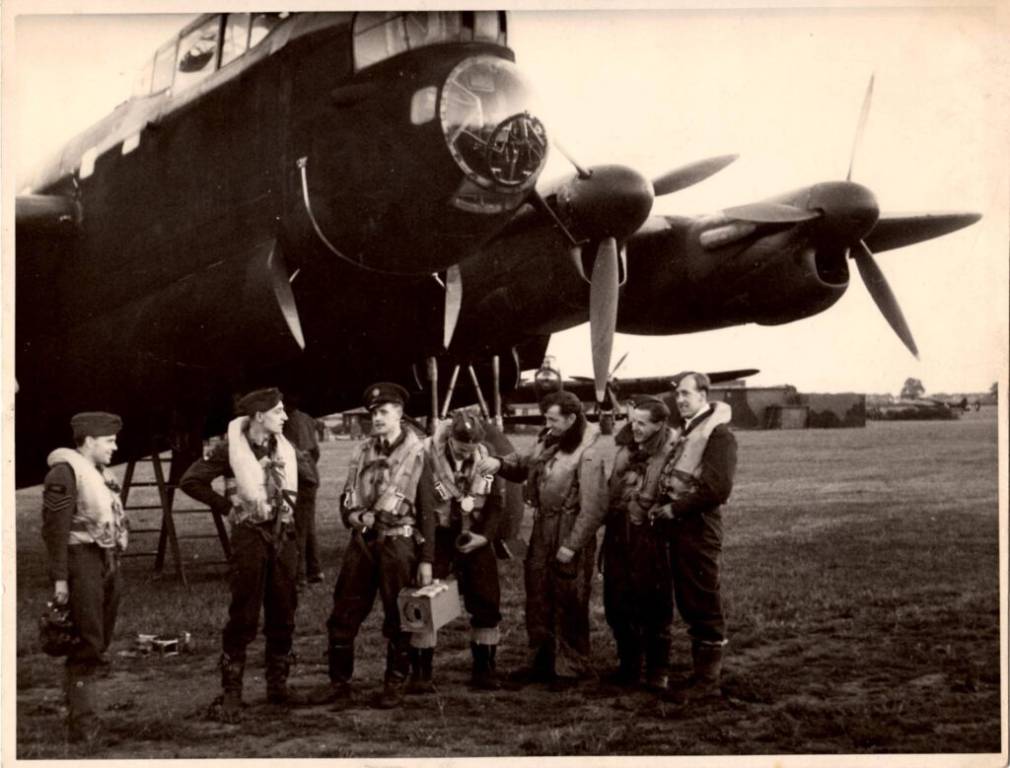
(657, 89)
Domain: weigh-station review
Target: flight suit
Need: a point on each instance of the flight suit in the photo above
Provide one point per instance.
(568, 492)
(383, 479)
(637, 588)
(91, 570)
(264, 562)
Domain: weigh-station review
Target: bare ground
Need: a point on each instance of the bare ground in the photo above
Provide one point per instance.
(861, 589)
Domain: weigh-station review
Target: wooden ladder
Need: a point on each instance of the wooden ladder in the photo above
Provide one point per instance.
(168, 537)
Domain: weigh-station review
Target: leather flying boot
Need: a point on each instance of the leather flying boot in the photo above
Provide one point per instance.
(278, 666)
(232, 669)
(397, 670)
(83, 724)
(484, 676)
(704, 681)
(340, 657)
(420, 682)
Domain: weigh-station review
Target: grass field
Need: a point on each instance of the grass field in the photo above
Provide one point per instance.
(861, 588)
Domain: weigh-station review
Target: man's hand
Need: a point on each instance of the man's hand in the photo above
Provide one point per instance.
(61, 593)
(361, 520)
(489, 466)
(565, 555)
(475, 541)
(424, 574)
(665, 512)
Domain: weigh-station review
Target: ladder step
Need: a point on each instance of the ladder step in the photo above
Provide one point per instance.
(150, 484)
(189, 511)
(145, 530)
(197, 536)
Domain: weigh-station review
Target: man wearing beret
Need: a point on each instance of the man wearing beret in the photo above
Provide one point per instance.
(637, 582)
(261, 470)
(381, 557)
(465, 506)
(565, 477)
(85, 529)
(696, 480)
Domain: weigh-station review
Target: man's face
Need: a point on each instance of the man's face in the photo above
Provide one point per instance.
(273, 420)
(100, 449)
(386, 419)
(460, 449)
(642, 426)
(557, 423)
(689, 399)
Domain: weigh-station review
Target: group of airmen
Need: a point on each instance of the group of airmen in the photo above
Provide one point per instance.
(421, 509)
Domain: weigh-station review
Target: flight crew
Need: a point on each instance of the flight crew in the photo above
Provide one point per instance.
(696, 480)
(637, 587)
(382, 555)
(261, 471)
(466, 506)
(566, 484)
(85, 530)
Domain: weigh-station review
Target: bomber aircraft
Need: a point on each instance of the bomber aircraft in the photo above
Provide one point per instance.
(323, 200)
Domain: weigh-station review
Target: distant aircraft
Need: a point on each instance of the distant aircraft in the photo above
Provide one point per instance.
(548, 379)
(323, 200)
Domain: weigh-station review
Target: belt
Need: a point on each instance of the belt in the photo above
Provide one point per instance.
(395, 530)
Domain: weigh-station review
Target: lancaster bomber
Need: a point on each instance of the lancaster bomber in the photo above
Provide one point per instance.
(323, 200)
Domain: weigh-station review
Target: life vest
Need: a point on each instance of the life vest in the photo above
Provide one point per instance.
(682, 470)
(98, 516)
(386, 485)
(457, 494)
(261, 488)
(638, 480)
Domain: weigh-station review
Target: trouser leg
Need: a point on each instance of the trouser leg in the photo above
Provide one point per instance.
(619, 603)
(91, 606)
(478, 572)
(248, 582)
(538, 587)
(397, 563)
(280, 603)
(572, 613)
(696, 551)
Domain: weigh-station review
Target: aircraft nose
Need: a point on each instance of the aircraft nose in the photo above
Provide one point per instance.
(849, 210)
(611, 201)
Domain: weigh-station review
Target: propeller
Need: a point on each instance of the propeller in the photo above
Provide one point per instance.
(846, 212)
(603, 206)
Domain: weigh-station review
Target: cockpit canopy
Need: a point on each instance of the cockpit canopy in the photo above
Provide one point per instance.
(203, 47)
(380, 35)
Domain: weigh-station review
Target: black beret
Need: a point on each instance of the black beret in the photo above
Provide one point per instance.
(466, 428)
(258, 401)
(384, 392)
(95, 424)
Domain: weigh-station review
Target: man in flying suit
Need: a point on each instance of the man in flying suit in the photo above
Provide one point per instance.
(566, 484)
(300, 430)
(465, 506)
(637, 587)
(382, 555)
(261, 470)
(696, 480)
(85, 530)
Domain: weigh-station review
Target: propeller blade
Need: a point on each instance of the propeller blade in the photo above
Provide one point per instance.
(603, 312)
(453, 303)
(619, 364)
(583, 173)
(689, 174)
(882, 295)
(541, 205)
(894, 230)
(770, 213)
(864, 113)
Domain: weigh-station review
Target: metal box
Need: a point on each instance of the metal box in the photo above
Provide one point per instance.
(425, 609)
